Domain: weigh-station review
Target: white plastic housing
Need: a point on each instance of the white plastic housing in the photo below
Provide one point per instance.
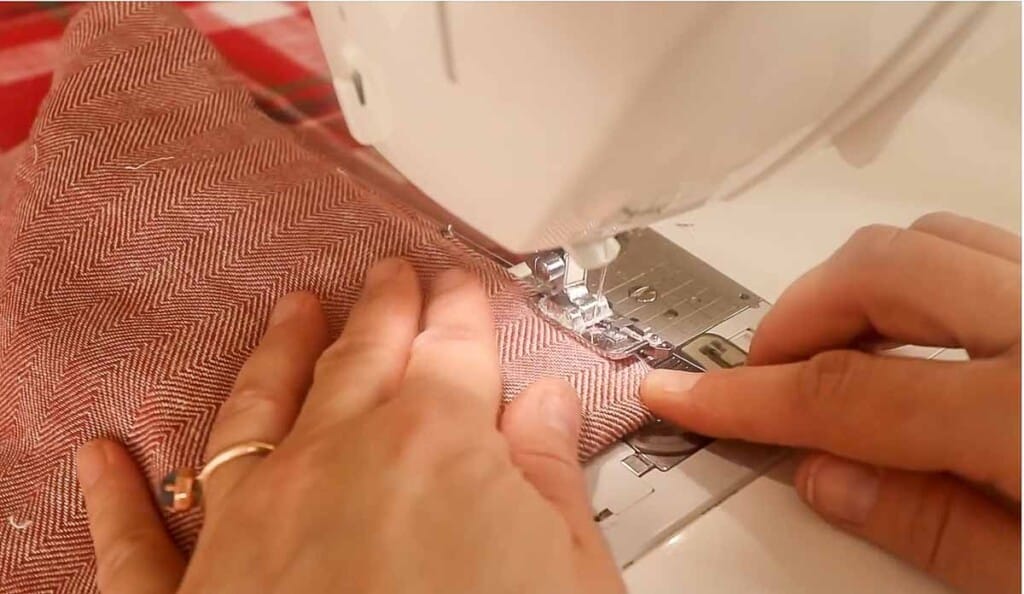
(555, 124)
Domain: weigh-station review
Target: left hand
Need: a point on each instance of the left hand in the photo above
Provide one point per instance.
(392, 474)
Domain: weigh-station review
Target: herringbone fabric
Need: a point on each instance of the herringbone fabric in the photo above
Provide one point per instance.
(145, 233)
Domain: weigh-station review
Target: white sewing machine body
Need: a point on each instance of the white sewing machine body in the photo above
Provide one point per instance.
(557, 125)
(546, 125)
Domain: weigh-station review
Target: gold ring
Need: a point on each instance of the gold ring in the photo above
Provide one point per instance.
(182, 488)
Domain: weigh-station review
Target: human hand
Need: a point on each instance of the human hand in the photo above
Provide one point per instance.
(392, 474)
(919, 457)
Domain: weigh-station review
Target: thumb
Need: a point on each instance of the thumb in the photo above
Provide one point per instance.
(542, 426)
(935, 521)
(133, 551)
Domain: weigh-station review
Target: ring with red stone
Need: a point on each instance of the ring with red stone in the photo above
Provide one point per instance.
(182, 488)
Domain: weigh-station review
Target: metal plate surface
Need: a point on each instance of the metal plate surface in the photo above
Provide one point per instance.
(661, 285)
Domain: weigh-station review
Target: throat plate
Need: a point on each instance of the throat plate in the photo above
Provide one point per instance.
(656, 295)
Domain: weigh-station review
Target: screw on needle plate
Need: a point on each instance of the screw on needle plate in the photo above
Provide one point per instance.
(644, 294)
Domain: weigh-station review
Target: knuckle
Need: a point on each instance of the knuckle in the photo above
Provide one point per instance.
(871, 242)
(295, 475)
(348, 348)
(445, 336)
(939, 218)
(252, 411)
(825, 380)
(248, 402)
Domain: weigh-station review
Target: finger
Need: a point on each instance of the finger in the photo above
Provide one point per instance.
(907, 413)
(542, 427)
(365, 364)
(974, 234)
(934, 521)
(454, 360)
(134, 554)
(904, 285)
(269, 389)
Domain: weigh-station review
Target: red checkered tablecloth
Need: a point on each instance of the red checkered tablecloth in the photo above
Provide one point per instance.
(272, 44)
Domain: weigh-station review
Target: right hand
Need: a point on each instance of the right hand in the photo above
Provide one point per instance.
(920, 457)
(393, 473)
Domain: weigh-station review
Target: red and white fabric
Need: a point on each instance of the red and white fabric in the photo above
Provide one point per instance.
(147, 225)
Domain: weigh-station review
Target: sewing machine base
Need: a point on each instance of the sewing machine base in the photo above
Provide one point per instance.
(649, 487)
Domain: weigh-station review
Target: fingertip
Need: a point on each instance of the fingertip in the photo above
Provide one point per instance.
(772, 343)
(667, 388)
(102, 459)
(801, 478)
(542, 429)
(133, 552)
(391, 288)
(296, 305)
(91, 462)
(553, 388)
(103, 456)
(839, 489)
(549, 402)
(386, 270)
(760, 350)
(457, 302)
(451, 280)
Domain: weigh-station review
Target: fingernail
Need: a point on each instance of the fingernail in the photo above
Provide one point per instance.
(663, 384)
(91, 462)
(843, 490)
(559, 412)
(287, 307)
(384, 271)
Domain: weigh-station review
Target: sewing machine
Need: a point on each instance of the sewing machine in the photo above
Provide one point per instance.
(554, 135)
